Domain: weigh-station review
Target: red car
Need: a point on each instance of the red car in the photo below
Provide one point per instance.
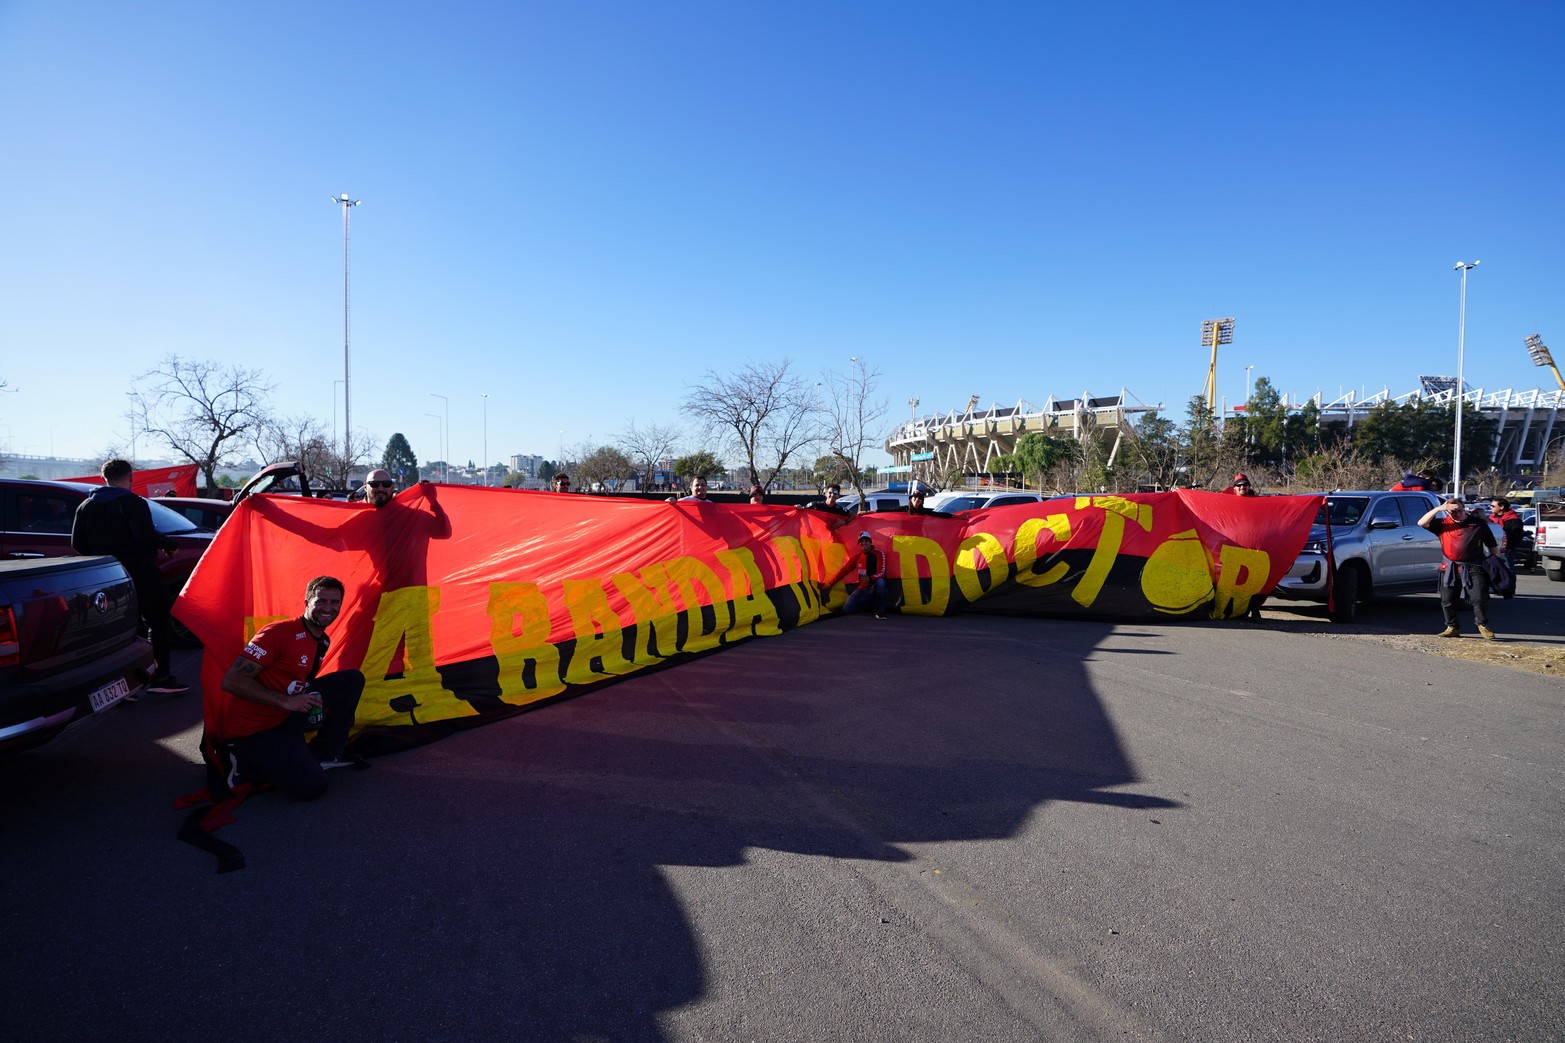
(35, 522)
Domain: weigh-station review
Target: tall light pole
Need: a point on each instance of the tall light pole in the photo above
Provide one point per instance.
(486, 438)
(445, 450)
(437, 436)
(334, 386)
(347, 439)
(1213, 333)
(1461, 346)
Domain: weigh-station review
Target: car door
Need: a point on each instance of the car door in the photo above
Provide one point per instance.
(1424, 554)
(1387, 545)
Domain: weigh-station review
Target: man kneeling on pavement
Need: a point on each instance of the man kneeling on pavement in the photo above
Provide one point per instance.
(272, 696)
(1463, 537)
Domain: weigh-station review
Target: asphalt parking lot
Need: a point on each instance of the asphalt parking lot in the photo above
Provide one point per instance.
(966, 828)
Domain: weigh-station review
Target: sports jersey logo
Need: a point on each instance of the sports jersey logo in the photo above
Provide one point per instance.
(255, 651)
(304, 660)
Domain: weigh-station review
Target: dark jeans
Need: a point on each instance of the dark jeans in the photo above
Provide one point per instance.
(861, 598)
(281, 756)
(153, 598)
(1477, 582)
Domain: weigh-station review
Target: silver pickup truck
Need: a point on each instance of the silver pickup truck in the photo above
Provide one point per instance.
(68, 644)
(1377, 547)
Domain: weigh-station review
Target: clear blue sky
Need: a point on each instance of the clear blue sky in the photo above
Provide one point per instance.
(581, 207)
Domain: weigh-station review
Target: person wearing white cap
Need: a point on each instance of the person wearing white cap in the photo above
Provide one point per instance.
(870, 584)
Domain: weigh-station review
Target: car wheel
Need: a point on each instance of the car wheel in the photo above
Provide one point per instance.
(1554, 568)
(1345, 595)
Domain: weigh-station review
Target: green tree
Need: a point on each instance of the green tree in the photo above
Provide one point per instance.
(606, 465)
(1156, 448)
(697, 465)
(1037, 454)
(400, 460)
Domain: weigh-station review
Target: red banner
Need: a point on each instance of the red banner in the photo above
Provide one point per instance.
(466, 604)
(156, 481)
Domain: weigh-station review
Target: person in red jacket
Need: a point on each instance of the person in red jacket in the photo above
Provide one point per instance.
(1463, 537)
(870, 585)
(1241, 486)
(1511, 524)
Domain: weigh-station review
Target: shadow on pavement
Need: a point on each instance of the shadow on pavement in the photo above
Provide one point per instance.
(507, 880)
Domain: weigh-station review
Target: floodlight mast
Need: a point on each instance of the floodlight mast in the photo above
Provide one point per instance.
(1213, 333)
(1461, 344)
(347, 428)
(1541, 357)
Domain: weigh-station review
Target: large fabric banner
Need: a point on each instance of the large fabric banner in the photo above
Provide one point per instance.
(156, 481)
(466, 604)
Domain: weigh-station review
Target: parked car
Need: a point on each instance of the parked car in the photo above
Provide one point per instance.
(1378, 550)
(68, 644)
(955, 500)
(881, 500)
(203, 512)
(35, 522)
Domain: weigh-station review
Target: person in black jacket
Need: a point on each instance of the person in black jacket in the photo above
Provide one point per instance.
(113, 520)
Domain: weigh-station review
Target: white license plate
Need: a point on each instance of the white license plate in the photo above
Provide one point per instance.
(109, 694)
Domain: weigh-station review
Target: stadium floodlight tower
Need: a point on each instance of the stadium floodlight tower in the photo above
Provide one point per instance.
(347, 428)
(1461, 345)
(1213, 333)
(1541, 357)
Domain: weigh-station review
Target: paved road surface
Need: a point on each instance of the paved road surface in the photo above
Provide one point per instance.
(962, 829)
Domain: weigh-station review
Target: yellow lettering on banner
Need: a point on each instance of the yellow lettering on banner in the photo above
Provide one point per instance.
(686, 574)
(1241, 573)
(795, 565)
(402, 618)
(508, 604)
(656, 615)
(1115, 510)
(909, 550)
(753, 607)
(1027, 553)
(599, 634)
(1178, 575)
(980, 545)
(828, 559)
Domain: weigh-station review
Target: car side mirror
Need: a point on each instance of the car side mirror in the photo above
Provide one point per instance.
(1382, 523)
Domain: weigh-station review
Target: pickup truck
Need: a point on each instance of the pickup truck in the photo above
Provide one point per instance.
(68, 644)
(1549, 537)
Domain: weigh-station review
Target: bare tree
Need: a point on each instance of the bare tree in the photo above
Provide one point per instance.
(606, 465)
(649, 446)
(853, 418)
(299, 437)
(767, 413)
(199, 406)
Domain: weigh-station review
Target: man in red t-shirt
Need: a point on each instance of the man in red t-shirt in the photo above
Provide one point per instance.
(1463, 537)
(271, 696)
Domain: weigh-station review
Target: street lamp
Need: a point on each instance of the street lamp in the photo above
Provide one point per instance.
(445, 450)
(1461, 345)
(344, 202)
(437, 438)
(1541, 357)
(486, 438)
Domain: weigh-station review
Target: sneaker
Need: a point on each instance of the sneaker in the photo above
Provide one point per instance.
(167, 684)
(345, 760)
(1485, 633)
(1450, 632)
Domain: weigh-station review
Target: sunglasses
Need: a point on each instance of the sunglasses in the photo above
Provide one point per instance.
(380, 485)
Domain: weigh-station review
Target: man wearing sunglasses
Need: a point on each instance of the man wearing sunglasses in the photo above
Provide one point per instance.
(1463, 539)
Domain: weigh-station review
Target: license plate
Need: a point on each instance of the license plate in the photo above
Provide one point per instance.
(109, 694)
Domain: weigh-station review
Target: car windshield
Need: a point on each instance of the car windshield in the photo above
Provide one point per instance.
(1345, 510)
(165, 519)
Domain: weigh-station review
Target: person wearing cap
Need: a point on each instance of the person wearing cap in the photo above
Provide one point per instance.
(757, 494)
(1463, 538)
(1241, 486)
(870, 585)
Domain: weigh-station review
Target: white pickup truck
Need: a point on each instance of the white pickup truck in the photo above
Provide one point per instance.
(1550, 537)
